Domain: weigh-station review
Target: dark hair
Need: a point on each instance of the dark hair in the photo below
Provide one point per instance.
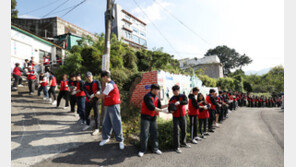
(155, 86)
(26, 60)
(17, 64)
(78, 75)
(200, 94)
(195, 89)
(51, 72)
(212, 91)
(105, 73)
(220, 92)
(176, 87)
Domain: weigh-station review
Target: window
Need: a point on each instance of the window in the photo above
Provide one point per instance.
(143, 42)
(135, 30)
(127, 17)
(136, 39)
(127, 35)
(143, 34)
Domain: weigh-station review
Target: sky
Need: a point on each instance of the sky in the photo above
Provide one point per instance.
(251, 27)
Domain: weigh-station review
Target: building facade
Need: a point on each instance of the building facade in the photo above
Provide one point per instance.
(209, 64)
(129, 28)
(25, 45)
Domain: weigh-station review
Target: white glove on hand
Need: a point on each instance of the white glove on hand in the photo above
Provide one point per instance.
(92, 96)
(177, 103)
(98, 93)
(165, 110)
(205, 107)
(73, 93)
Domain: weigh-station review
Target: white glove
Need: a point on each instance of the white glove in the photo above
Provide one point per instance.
(205, 107)
(73, 93)
(177, 103)
(165, 110)
(92, 96)
(98, 92)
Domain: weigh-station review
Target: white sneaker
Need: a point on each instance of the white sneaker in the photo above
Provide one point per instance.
(54, 103)
(65, 108)
(197, 138)
(158, 152)
(86, 127)
(44, 98)
(20, 85)
(140, 154)
(49, 100)
(194, 141)
(103, 142)
(14, 88)
(121, 145)
(95, 132)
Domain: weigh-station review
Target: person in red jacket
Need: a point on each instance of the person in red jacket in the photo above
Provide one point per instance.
(31, 77)
(64, 90)
(193, 112)
(203, 115)
(52, 88)
(177, 106)
(112, 118)
(212, 111)
(43, 86)
(16, 73)
(151, 106)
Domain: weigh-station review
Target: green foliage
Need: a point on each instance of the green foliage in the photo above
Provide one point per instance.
(247, 86)
(72, 65)
(207, 81)
(226, 83)
(14, 12)
(229, 58)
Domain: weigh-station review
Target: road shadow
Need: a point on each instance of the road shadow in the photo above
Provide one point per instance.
(93, 154)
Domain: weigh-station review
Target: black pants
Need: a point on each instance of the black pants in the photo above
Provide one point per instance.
(225, 111)
(72, 102)
(52, 91)
(202, 123)
(63, 94)
(179, 122)
(222, 111)
(31, 85)
(17, 80)
(193, 126)
(148, 127)
(95, 106)
(211, 119)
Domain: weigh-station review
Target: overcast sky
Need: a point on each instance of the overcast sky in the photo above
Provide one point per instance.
(251, 27)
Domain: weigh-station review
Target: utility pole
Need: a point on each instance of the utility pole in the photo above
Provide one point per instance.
(106, 57)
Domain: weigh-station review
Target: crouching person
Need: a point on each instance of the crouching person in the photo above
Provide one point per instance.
(112, 118)
(177, 105)
(151, 107)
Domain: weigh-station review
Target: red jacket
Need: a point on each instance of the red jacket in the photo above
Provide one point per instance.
(53, 81)
(16, 71)
(64, 85)
(145, 110)
(181, 108)
(192, 105)
(113, 97)
(203, 114)
(208, 99)
(31, 75)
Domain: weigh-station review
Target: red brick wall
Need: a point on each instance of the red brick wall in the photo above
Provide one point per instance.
(148, 78)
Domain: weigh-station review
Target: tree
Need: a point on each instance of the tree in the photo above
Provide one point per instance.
(14, 12)
(229, 58)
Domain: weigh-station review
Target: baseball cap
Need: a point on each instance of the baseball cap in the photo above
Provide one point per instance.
(88, 74)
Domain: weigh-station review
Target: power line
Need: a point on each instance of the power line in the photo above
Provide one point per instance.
(181, 22)
(74, 7)
(55, 9)
(156, 27)
(42, 7)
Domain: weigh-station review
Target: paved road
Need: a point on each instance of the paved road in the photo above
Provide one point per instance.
(250, 137)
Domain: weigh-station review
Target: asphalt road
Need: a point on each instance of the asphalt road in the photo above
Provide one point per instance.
(250, 137)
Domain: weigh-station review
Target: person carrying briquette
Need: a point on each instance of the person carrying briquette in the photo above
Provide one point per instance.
(91, 88)
(43, 86)
(80, 98)
(31, 77)
(213, 103)
(203, 115)
(72, 86)
(64, 90)
(177, 106)
(17, 73)
(52, 88)
(151, 106)
(193, 112)
(112, 117)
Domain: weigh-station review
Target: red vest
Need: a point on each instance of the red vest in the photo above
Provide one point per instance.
(203, 114)
(81, 93)
(64, 85)
(181, 109)
(46, 61)
(146, 111)
(94, 87)
(53, 81)
(113, 97)
(16, 71)
(31, 75)
(208, 99)
(191, 109)
(44, 83)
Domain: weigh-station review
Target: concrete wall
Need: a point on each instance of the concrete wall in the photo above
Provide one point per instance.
(212, 70)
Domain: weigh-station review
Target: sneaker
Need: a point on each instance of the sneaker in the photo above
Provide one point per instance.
(103, 142)
(20, 85)
(211, 130)
(30, 93)
(194, 141)
(206, 134)
(203, 136)
(121, 145)
(44, 98)
(95, 132)
(186, 146)
(197, 138)
(86, 127)
(14, 88)
(140, 154)
(84, 122)
(178, 150)
(158, 152)
(65, 108)
(49, 100)
(54, 103)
